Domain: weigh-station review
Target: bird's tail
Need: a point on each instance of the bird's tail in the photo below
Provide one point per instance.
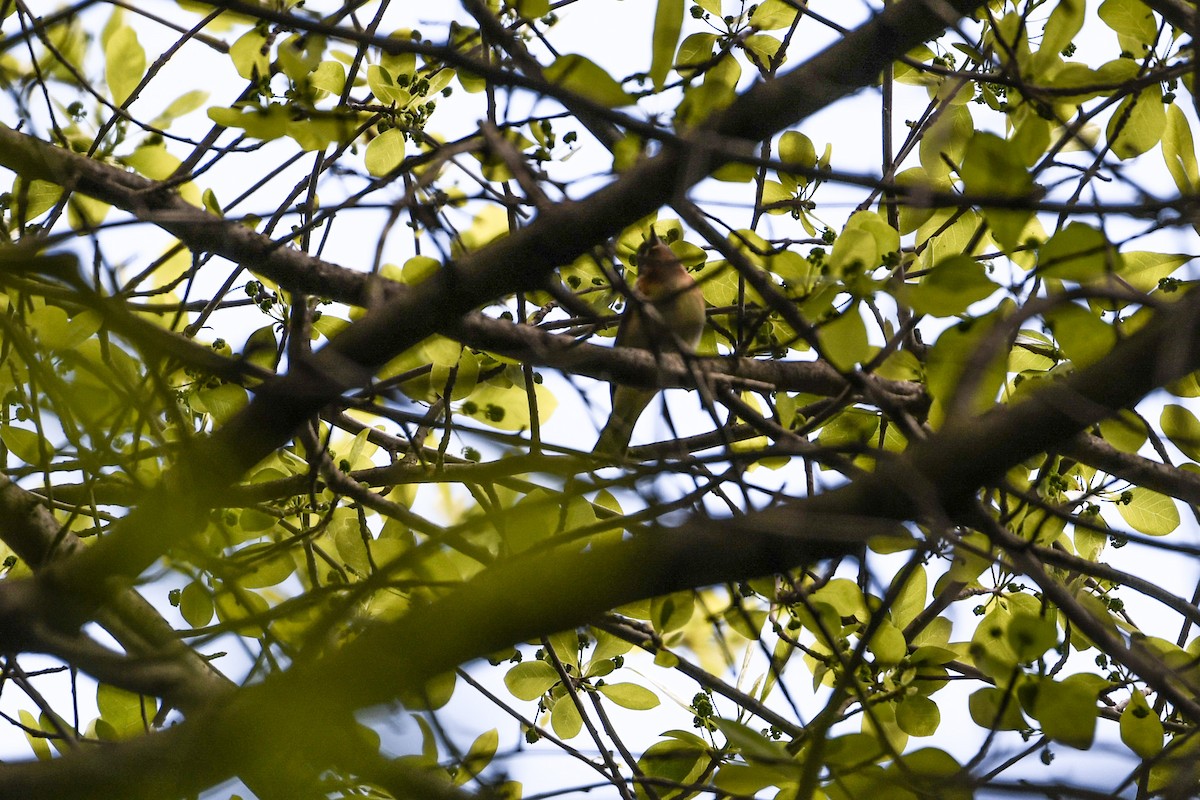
(628, 403)
(614, 439)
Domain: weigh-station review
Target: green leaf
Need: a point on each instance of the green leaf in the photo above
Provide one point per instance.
(128, 713)
(33, 198)
(266, 123)
(718, 90)
(1141, 729)
(796, 148)
(672, 761)
(1144, 270)
(668, 22)
(1065, 21)
(844, 339)
(385, 152)
(775, 192)
(267, 564)
(671, 612)
(1138, 123)
(1081, 334)
(695, 50)
(1149, 512)
(608, 646)
(918, 716)
(1031, 635)
(854, 426)
(316, 130)
(530, 9)
(299, 56)
(772, 15)
(994, 167)
(529, 680)
(196, 604)
(480, 754)
(844, 596)
(911, 600)
(950, 287)
(385, 89)
(1078, 253)
(124, 64)
(436, 692)
(584, 77)
(750, 743)
(186, 103)
(565, 719)
(946, 140)
(1182, 428)
(957, 347)
(863, 243)
(630, 695)
(221, 402)
(1133, 22)
(250, 55)
(416, 270)
(996, 709)
(853, 749)
(1089, 543)
(329, 76)
(1124, 431)
(888, 644)
(764, 48)
(1179, 151)
(747, 780)
(1067, 710)
(24, 444)
(40, 745)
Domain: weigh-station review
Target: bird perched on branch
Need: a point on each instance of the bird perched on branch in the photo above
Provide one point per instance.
(664, 285)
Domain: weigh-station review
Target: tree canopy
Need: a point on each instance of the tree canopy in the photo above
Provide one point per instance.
(305, 314)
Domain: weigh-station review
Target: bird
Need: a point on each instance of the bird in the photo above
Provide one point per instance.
(664, 285)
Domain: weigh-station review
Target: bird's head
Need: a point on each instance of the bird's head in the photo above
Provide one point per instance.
(658, 267)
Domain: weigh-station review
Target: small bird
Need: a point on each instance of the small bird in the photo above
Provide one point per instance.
(664, 285)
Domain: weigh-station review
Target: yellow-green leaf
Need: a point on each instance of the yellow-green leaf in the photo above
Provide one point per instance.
(1149, 512)
(385, 152)
(1138, 123)
(918, 716)
(950, 287)
(480, 754)
(1067, 710)
(1078, 252)
(584, 77)
(1182, 428)
(24, 444)
(196, 604)
(668, 22)
(773, 14)
(529, 680)
(250, 55)
(844, 339)
(1141, 729)
(329, 76)
(1179, 151)
(996, 709)
(565, 719)
(1133, 22)
(629, 695)
(125, 64)
(222, 402)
